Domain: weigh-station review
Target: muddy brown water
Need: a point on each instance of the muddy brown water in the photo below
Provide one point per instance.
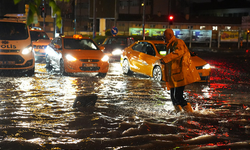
(87, 112)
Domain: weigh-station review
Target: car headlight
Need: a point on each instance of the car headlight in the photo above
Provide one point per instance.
(117, 51)
(207, 66)
(70, 58)
(27, 50)
(105, 58)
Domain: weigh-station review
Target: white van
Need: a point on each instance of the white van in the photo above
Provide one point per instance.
(16, 50)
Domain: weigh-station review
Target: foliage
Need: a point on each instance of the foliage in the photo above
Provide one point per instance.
(34, 9)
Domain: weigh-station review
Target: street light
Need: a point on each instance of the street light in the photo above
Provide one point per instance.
(143, 20)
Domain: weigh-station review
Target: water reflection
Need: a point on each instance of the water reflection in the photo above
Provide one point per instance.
(49, 111)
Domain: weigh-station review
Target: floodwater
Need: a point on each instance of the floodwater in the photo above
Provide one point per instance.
(119, 112)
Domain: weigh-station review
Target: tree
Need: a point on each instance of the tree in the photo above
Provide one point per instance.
(34, 6)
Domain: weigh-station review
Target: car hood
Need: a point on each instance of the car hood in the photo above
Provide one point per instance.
(85, 53)
(198, 61)
(112, 47)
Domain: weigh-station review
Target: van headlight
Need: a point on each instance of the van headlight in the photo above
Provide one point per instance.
(70, 57)
(117, 51)
(27, 50)
(105, 58)
(207, 66)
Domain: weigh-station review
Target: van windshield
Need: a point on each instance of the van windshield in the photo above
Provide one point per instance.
(13, 31)
(36, 35)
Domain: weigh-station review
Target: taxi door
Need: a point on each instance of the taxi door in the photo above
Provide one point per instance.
(147, 59)
(133, 56)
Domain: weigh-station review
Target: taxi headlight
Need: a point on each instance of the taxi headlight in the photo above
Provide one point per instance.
(105, 58)
(70, 58)
(207, 66)
(117, 51)
(27, 50)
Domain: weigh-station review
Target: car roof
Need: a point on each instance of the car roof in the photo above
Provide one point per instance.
(120, 36)
(71, 37)
(36, 30)
(153, 41)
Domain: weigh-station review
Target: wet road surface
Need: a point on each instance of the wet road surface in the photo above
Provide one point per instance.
(49, 111)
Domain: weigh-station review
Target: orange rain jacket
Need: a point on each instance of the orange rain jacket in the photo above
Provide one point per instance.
(179, 69)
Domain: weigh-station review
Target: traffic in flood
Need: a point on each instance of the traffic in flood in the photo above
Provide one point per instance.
(50, 111)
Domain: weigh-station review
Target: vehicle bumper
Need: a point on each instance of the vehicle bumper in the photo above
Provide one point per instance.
(76, 67)
(17, 62)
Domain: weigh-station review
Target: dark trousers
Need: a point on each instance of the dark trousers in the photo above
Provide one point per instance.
(177, 96)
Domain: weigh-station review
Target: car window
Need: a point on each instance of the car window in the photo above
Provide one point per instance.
(53, 41)
(148, 49)
(138, 47)
(83, 44)
(59, 41)
(13, 31)
(37, 35)
(161, 48)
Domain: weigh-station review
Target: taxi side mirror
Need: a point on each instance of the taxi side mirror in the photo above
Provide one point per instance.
(58, 47)
(102, 48)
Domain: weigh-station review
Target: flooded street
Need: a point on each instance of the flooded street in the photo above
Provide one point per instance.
(120, 112)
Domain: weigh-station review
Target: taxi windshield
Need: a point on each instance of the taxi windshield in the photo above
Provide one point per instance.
(13, 31)
(36, 35)
(83, 44)
(161, 48)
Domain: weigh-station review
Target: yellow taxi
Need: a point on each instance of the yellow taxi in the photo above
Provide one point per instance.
(144, 57)
(76, 54)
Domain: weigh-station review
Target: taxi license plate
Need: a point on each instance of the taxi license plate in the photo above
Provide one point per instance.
(7, 62)
(89, 65)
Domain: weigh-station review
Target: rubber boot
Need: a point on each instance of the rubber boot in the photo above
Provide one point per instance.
(188, 108)
(178, 108)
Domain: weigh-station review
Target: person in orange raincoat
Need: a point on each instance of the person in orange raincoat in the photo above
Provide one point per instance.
(179, 70)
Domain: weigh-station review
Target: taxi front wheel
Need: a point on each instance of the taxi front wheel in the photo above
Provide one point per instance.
(62, 70)
(47, 61)
(126, 68)
(157, 73)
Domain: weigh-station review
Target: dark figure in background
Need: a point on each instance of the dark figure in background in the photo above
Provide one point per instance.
(179, 70)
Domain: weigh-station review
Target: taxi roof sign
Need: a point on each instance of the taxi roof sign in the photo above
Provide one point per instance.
(77, 36)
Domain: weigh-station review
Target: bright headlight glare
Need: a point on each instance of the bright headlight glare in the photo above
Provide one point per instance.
(105, 58)
(27, 50)
(70, 58)
(117, 51)
(207, 66)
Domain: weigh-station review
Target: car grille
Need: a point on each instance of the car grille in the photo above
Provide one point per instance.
(89, 68)
(27, 64)
(89, 60)
(17, 58)
(9, 51)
